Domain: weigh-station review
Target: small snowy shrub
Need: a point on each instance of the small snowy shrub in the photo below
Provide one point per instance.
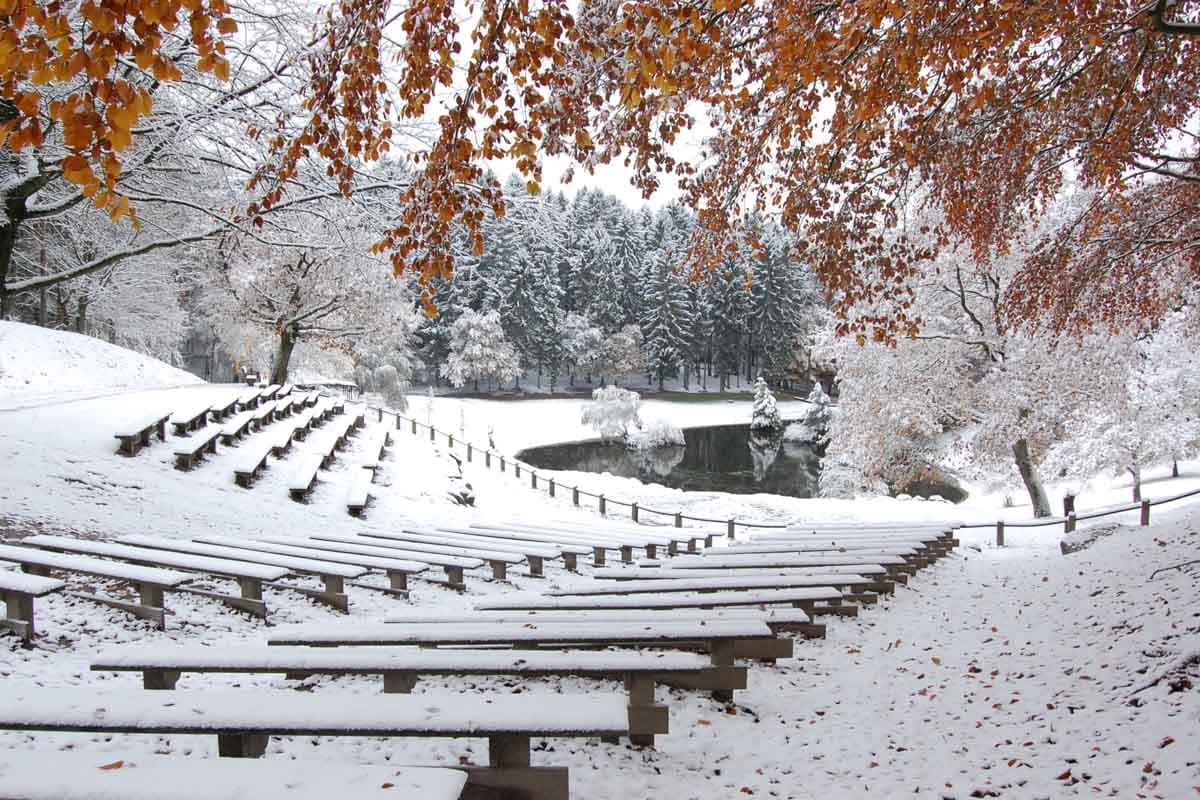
(657, 433)
(814, 427)
(846, 481)
(766, 414)
(611, 411)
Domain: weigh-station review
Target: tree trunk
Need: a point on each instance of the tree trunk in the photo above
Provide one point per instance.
(287, 343)
(1174, 468)
(1135, 472)
(1033, 484)
(81, 319)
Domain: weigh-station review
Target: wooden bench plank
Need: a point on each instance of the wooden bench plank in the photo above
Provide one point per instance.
(18, 590)
(187, 453)
(308, 566)
(700, 584)
(142, 555)
(184, 422)
(805, 598)
(358, 494)
(250, 463)
(91, 566)
(67, 775)
(305, 475)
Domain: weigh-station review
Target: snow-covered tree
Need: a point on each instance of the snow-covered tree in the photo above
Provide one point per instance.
(621, 353)
(765, 413)
(665, 318)
(582, 343)
(479, 349)
(612, 411)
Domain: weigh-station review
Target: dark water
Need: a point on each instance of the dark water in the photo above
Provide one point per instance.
(723, 458)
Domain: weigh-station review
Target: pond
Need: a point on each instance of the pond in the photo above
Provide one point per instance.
(722, 458)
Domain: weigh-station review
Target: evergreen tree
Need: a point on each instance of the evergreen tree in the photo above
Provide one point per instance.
(776, 308)
(665, 322)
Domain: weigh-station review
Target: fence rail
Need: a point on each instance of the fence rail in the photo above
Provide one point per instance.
(731, 525)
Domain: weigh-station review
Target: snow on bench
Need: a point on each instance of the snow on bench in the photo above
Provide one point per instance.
(804, 597)
(236, 428)
(304, 475)
(608, 540)
(304, 423)
(283, 408)
(598, 544)
(875, 526)
(281, 440)
(271, 391)
(250, 463)
(658, 534)
(19, 590)
(139, 432)
(841, 582)
(498, 559)
(223, 409)
(376, 446)
(452, 565)
(249, 400)
(396, 569)
(534, 552)
(149, 581)
(263, 415)
(894, 563)
(333, 575)
(249, 576)
(502, 540)
(670, 573)
(243, 722)
(401, 667)
(69, 775)
(184, 422)
(899, 548)
(358, 494)
(189, 451)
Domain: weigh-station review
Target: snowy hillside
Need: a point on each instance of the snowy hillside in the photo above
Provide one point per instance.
(37, 364)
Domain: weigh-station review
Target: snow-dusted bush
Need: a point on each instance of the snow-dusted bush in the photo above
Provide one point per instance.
(766, 414)
(814, 428)
(479, 349)
(840, 479)
(611, 411)
(657, 433)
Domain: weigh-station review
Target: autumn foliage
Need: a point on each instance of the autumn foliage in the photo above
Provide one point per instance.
(841, 119)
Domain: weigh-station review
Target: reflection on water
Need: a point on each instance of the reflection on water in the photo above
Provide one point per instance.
(724, 458)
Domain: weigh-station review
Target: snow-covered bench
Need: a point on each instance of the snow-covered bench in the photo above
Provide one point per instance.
(914, 553)
(609, 540)
(139, 433)
(333, 575)
(876, 575)
(337, 406)
(251, 462)
(304, 476)
(723, 640)
(19, 590)
(283, 408)
(249, 576)
(396, 569)
(263, 415)
(938, 542)
(271, 391)
(452, 565)
(222, 410)
(243, 722)
(598, 543)
(896, 566)
(190, 451)
(805, 598)
(84, 775)
(661, 535)
(150, 582)
(534, 552)
(498, 559)
(237, 427)
(281, 440)
(184, 422)
(358, 493)
(402, 667)
(286, 389)
(304, 423)
(376, 447)
(249, 400)
(778, 618)
(852, 587)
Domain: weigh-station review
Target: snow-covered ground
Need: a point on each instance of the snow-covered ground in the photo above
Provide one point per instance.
(1008, 672)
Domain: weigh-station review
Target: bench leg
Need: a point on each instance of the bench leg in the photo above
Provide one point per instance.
(627, 553)
(651, 551)
(398, 580)
(19, 614)
(526, 783)
(242, 745)
(499, 570)
(535, 566)
(720, 654)
(645, 718)
(162, 431)
(692, 548)
(152, 597)
(672, 548)
(159, 678)
(454, 576)
(570, 562)
(508, 751)
(398, 682)
(598, 556)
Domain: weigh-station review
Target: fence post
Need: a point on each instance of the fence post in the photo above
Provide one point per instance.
(1069, 523)
(468, 452)
(1000, 533)
(1145, 513)
(633, 511)
(397, 422)
(601, 505)
(381, 414)
(1068, 504)
(678, 519)
(731, 525)
(414, 427)
(517, 467)
(502, 463)
(533, 480)
(432, 434)
(575, 495)
(552, 487)
(450, 440)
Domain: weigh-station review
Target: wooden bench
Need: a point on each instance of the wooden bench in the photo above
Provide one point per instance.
(805, 598)
(150, 582)
(223, 410)
(183, 423)
(879, 581)
(852, 587)
(723, 640)
(376, 447)
(912, 552)
(286, 389)
(621, 543)
(402, 667)
(281, 441)
(263, 415)
(269, 392)
(304, 424)
(396, 569)
(243, 722)
(19, 590)
(534, 552)
(452, 565)
(283, 408)
(236, 428)
(358, 494)
(194, 449)
(249, 400)
(139, 434)
(89, 775)
(249, 576)
(780, 619)
(498, 559)
(332, 575)
(896, 566)
(250, 463)
(662, 535)
(599, 545)
(304, 477)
